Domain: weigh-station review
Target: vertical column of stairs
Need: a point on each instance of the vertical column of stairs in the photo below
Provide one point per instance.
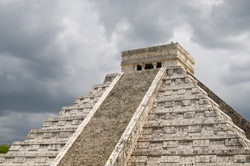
(99, 137)
(186, 128)
(42, 145)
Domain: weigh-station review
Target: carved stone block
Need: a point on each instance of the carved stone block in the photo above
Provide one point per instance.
(170, 159)
(200, 143)
(205, 159)
(170, 144)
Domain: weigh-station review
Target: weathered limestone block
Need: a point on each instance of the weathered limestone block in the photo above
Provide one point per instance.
(2, 158)
(189, 114)
(210, 113)
(19, 160)
(33, 147)
(186, 102)
(170, 159)
(153, 161)
(41, 160)
(147, 131)
(200, 143)
(140, 159)
(170, 144)
(233, 142)
(169, 130)
(143, 145)
(242, 159)
(181, 91)
(14, 147)
(168, 93)
(194, 129)
(205, 159)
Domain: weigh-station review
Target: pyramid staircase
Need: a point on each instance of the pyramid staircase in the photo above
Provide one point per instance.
(99, 137)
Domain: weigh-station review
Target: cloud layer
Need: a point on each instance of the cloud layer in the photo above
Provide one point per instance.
(53, 51)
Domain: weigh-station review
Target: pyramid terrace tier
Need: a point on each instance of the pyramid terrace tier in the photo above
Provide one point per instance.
(70, 121)
(95, 93)
(185, 126)
(42, 145)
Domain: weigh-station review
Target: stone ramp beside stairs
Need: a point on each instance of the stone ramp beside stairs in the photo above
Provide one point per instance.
(100, 136)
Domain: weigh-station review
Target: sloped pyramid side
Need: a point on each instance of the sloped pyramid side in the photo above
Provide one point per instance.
(42, 145)
(187, 128)
(238, 120)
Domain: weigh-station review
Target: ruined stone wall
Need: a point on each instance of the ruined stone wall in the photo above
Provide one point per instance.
(98, 139)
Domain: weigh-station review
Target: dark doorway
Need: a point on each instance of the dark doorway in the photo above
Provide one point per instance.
(139, 67)
(149, 66)
(158, 65)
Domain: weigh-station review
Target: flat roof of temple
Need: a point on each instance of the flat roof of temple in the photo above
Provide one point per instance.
(157, 48)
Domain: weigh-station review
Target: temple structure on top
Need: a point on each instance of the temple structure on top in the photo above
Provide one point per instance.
(156, 57)
(154, 113)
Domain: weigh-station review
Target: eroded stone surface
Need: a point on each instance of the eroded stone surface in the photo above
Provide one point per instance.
(99, 137)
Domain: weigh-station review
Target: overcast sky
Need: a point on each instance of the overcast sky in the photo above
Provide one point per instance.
(52, 51)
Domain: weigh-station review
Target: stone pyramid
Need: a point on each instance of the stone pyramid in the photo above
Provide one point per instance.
(154, 113)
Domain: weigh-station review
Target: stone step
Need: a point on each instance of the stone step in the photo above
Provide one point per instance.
(110, 77)
(30, 154)
(66, 118)
(36, 147)
(85, 100)
(166, 137)
(35, 142)
(184, 99)
(191, 160)
(25, 164)
(27, 161)
(74, 110)
(52, 130)
(100, 87)
(70, 121)
(187, 117)
(191, 151)
(166, 88)
(51, 133)
(186, 122)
